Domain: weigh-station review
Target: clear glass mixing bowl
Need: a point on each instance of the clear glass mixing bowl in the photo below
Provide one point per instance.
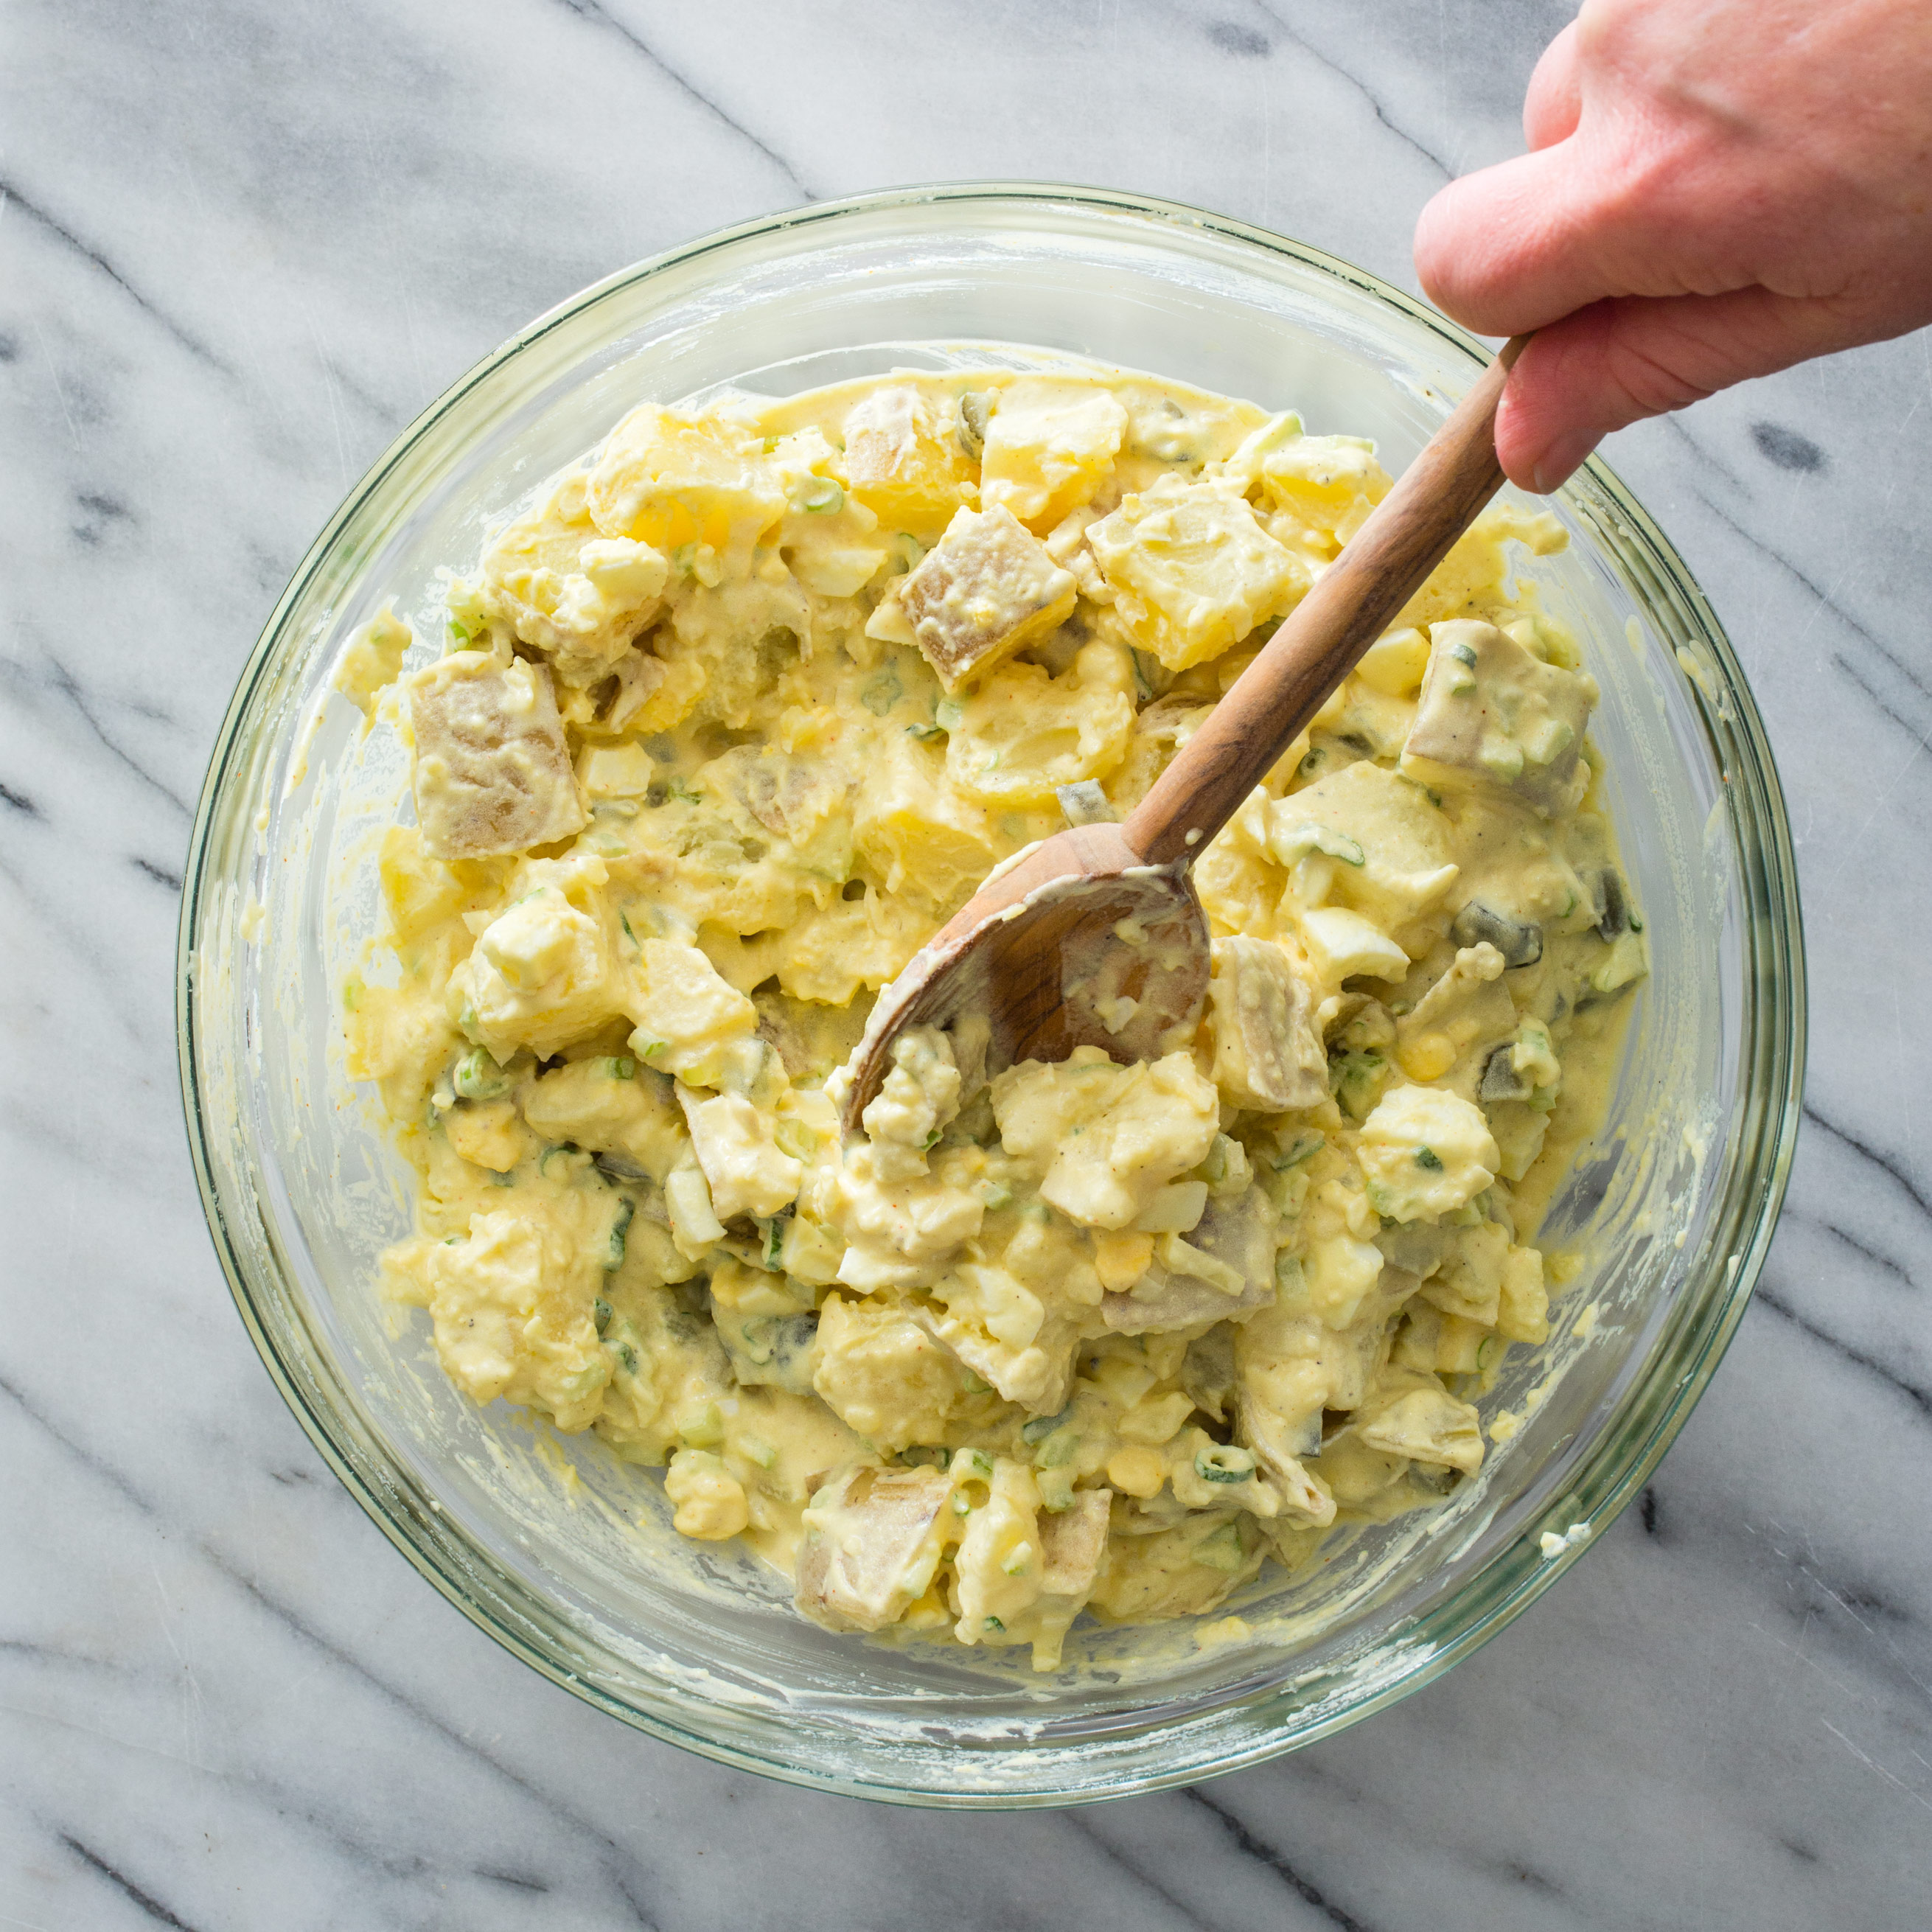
(564, 1555)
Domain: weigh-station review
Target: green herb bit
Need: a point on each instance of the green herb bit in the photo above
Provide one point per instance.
(600, 1310)
(821, 497)
(1224, 1463)
(1464, 654)
(994, 1623)
(879, 694)
(1338, 845)
(613, 1252)
(1428, 1158)
(950, 714)
(1041, 1426)
(620, 1067)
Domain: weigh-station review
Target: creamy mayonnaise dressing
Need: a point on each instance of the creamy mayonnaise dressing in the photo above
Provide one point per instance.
(726, 726)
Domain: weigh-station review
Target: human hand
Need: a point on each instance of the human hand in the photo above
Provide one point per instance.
(1716, 189)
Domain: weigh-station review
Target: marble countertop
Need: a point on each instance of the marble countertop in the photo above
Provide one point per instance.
(241, 244)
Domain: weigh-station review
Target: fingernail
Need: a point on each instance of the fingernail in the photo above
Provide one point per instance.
(1561, 461)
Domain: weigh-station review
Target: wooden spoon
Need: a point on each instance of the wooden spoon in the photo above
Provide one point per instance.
(1096, 937)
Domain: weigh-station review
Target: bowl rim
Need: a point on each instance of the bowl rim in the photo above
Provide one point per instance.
(1776, 947)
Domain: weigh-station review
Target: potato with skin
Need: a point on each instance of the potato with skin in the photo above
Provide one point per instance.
(1267, 1054)
(1073, 1543)
(492, 772)
(1491, 709)
(987, 588)
(872, 1540)
(1410, 1414)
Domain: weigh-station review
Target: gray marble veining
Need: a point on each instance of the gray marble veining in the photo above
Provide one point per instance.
(240, 246)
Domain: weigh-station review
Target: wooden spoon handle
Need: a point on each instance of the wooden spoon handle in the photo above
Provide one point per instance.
(1380, 568)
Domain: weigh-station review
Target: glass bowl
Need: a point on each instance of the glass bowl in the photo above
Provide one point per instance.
(564, 1555)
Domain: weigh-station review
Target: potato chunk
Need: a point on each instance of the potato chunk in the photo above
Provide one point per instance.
(540, 976)
(492, 771)
(669, 480)
(595, 1103)
(1073, 1542)
(872, 1541)
(1491, 709)
(1050, 443)
(1191, 571)
(1411, 1414)
(1365, 839)
(998, 1327)
(882, 1375)
(577, 597)
(988, 588)
(1268, 1055)
(919, 834)
(903, 461)
(1024, 735)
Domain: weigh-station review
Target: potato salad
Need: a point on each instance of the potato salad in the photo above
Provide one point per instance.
(721, 728)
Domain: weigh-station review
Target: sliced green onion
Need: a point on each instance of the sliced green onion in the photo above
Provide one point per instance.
(613, 1252)
(478, 1077)
(1225, 1462)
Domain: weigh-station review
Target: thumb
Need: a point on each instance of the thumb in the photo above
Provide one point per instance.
(1619, 361)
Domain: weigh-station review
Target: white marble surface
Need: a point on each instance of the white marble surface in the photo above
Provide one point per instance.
(240, 244)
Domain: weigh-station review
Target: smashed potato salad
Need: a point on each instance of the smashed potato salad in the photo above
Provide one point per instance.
(724, 726)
